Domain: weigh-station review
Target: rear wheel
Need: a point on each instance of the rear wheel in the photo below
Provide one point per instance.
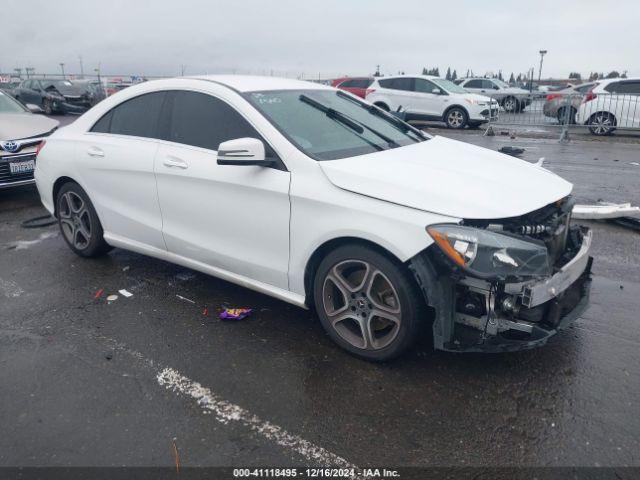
(368, 304)
(455, 118)
(602, 123)
(79, 222)
(562, 115)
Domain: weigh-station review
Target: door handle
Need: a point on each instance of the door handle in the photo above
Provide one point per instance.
(175, 162)
(95, 152)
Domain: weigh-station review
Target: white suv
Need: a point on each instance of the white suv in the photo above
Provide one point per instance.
(611, 104)
(428, 98)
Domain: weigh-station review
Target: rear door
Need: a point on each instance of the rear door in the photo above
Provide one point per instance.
(117, 169)
(624, 102)
(399, 93)
(234, 218)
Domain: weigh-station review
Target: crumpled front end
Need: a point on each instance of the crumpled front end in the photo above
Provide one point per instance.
(484, 313)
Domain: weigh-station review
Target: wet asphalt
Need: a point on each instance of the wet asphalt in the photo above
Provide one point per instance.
(79, 375)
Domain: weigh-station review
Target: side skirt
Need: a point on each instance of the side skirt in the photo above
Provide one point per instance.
(279, 293)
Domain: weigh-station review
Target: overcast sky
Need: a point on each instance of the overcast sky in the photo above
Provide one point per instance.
(320, 37)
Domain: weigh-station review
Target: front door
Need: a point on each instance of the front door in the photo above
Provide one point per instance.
(235, 218)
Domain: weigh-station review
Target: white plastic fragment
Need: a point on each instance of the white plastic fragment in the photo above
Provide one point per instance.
(604, 211)
(185, 299)
(112, 298)
(125, 293)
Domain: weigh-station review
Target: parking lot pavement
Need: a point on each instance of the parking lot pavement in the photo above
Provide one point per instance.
(88, 382)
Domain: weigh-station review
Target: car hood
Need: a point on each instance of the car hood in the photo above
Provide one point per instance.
(15, 126)
(450, 178)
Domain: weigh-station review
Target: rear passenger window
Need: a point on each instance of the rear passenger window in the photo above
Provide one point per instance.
(137, 117)
(473, 84)
(397, 83)
(204, 121)
(629, 88)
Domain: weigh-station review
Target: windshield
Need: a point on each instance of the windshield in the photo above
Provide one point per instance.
(329, 124)
(448, 85)
(9, 105)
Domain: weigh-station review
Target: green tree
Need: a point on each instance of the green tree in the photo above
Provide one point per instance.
(454, 76)
(448, 75)
(512, 79)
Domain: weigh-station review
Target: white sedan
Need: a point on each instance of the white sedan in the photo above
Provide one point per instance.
(313, 196)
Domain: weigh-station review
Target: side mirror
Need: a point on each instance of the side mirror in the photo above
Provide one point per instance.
(34, 108)
(243, 151)
(496, 87)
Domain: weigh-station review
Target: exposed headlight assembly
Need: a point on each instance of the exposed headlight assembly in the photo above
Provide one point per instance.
(489, 255)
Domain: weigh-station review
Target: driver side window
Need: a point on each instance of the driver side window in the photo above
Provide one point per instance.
(425, 86)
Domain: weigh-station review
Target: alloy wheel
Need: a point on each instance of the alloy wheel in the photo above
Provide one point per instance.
(455, 118)
(601, 124)
(510, 104)
(75, 220)
(361, 304)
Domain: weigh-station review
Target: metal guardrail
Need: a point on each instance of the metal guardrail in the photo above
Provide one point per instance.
(600, 114)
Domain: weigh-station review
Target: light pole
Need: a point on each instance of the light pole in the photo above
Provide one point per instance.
(62, 68)
(542, 54)
(81, 66)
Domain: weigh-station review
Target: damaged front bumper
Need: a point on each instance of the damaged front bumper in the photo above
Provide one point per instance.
(473, 315)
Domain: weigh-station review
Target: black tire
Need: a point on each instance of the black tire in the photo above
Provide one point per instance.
(79, 222)
(382, 106)
(456, 118)
(561, 115)
(602, 123)
(47, 106)
(511, 104)
(386, 280)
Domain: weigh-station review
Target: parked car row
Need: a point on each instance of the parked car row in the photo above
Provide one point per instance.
(59, 96)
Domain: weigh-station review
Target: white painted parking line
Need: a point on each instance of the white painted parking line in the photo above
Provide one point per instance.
(226, 412)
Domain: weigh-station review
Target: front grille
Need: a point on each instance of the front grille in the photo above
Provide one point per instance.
(5, 172)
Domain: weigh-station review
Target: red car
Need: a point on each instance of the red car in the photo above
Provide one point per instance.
(356, 85)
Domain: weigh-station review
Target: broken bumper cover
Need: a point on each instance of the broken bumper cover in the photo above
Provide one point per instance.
(547, 306)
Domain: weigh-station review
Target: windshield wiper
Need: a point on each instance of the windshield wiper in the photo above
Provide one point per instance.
(402, 126)
(354, 124)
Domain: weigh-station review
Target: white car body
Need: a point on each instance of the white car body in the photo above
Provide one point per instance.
(260, 227)
(614, 101)
(419, 104)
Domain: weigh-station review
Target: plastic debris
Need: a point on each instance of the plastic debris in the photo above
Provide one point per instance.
(112, 298)
(513, 151)
(540, 162)
(635, 164)
(125, 293)
(98, 294)
(235, 313)
(126, 269)
(185, 299)
(605, 211)
(205, 312)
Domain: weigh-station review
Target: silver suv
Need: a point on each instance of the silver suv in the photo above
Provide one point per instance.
(512, 99)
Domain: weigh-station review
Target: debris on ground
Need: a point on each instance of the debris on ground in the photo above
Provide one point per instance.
(109, 356)
(98, 294)
(112, 298)
(513, 151)
(205, 312)
(39, 222)
(185, 299)
(632, 223)
(234, 313)
(125, 269)
(635, 164)
(125, 293)
(176, 455)
(605, 211)
(540, 162)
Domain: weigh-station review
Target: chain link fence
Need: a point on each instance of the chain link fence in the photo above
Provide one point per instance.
(597, 113)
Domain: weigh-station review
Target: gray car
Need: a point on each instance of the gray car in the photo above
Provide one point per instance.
(555, 105)
(512, 99)
(20, 134)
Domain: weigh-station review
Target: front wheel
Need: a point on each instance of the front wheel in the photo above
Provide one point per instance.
(79, 222)
(368, 304)
(47, 106)
(511, 104)
(456, 118)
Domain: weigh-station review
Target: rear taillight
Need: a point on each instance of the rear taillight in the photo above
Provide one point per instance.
(588, 97)
(551, 96)
(39, 147)
(368, 91)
